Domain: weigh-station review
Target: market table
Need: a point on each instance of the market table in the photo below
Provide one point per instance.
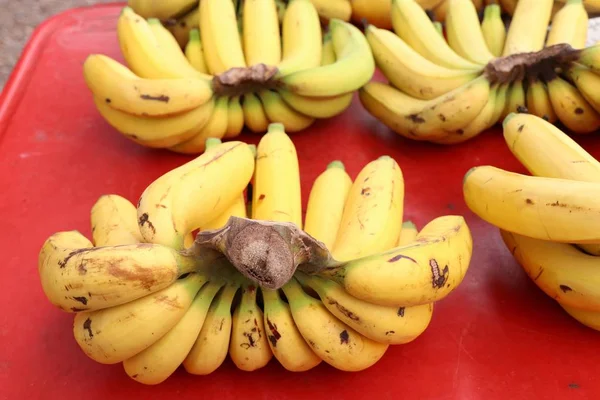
(496, 337)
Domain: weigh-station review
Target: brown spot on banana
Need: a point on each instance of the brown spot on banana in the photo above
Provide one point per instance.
(401, 311)
(162, 98)
(565, 288)
(439, 276)
(87, 325)
(144, 220)
(344, 337)
(343, 309)
(400, 257)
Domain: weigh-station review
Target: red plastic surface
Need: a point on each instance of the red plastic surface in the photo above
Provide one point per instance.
(496, 337)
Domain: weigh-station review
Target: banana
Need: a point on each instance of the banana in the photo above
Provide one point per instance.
(330, 9)
(255, 117)
(154, 131)
(420, 273)
(377, 12)
(590, 57)
(215, 127)
(147, 55)
(588, 83)
(249, 348)
(159, 361)
(286, 342)
(464, 32)
(211, 347)
(161, 9)
(317, 107)
(409, 71)
(353, 68)
(554, 209)
(544, 262)
(326, 202)
(335, 342)
(566, 23)
(77, 277)
(516, 101)
(276, 192)
(112, 335)
(262, 39)
(493, 29)
(222, 29)
(439, 27)
(571, 107)
(301, 38)
(122, 90)
(590, 319)
(328, 52)
(281, 8)
(440, 10)
(189, 196)
(209, 38)
(195, 53)
(181, 28)
(425, 120)
(371, 213)
(235, 118)
(413, 26)
(528, 27)
(390, 325)
(538, 100)
(114, 222)
(408, 233)
(278, 111)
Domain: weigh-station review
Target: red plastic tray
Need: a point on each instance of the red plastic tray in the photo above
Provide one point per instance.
(496, 337)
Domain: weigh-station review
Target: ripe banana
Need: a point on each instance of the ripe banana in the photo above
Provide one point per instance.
(571, 107)
(195, 53)
(76, 276)
(588, 83)
(317, 107)
(211, 347)
(114, 222)
(330, 9)
(528, 27)
(566, 24)
(286, 342)
(354, 65)
(235, 118)
(372, 210)
(159, 361)
(278, 111)
(262, 40)
(171, 206)
(493, 29)
(409, 71)
(390, 325)
(301, 38)
(255, 117)
(161, 9)
(377, 12)
(538, 101)
(516, 101)
(464, 32)
(554, 209)
(249, 348)
(413, 26)
(114, 334)
(420, 273)
(209, 38)
(590, 57)
(276, 188)
(408, 233)
(328, 52)
(545, 262)
(335, 342)
(181, 27)
(326, 202)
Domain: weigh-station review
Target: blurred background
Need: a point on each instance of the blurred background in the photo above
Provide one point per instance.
(18, 19)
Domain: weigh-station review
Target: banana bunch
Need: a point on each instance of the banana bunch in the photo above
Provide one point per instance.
(145, 296)
(240, 68)
(448, 88)
(547, 219)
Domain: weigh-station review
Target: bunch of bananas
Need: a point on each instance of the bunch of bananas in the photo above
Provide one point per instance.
(549, 220)
(449, 88)
(145, 295)
(227, 78)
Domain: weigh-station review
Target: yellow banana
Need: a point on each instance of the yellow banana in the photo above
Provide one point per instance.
(114, 222)
(335, 342)
(407, 234)
(301, 38)
(276, 188)
(255, 117)
(249, 348)
(554, 209)
(571, 108)
(590, 57)
(409, 71)
(377, 12)
(538, 101)
(516, 101)
(161, 9)
(114, 334)
(422, 272)
(222, 28)
(211, 347)
(235, 118)
(588, 83)
(528, 27)
(390, 325)
(328, 52)
(195, 53)
(209, 38)
(278, 111)
(182, 26)
(464, 32)
(591, 319)
(330, 9)
(171, 206)
(374, 206)
(317, 107)
(77, 277)
(326, 202)
(159, 361)
(493, 29)
(565, 27)
(155, 131)
(262, 40)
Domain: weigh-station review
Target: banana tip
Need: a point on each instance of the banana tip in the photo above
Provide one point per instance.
(276, 127)
(508, 118)
(336, 164)
(469, 172)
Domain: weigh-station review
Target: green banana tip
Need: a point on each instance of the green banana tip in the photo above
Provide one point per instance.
(252, 148)
(409, 224)
(212, 142)
(194, 34)
(153, 21)
(276, 127)
(384, 158)
(574, 2)
(469, 172)
(336, 164)
(508, 118)
(491, 10)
